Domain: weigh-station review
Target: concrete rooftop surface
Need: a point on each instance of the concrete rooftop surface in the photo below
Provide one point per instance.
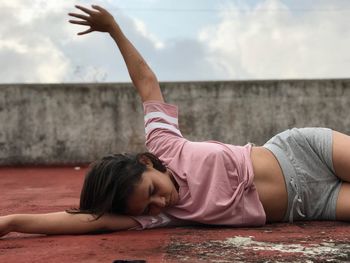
(50, 189)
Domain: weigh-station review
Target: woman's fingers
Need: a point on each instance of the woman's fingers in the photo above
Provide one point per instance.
(85, 32)
(84, 9)
(99, 20)
(84, 17)
(97, 7)
(79, 22)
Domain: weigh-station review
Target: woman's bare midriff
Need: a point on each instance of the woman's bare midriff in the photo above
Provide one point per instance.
(270, 184)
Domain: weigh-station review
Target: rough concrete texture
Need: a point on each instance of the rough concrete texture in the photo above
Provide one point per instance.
(50, 189)
(77, 123)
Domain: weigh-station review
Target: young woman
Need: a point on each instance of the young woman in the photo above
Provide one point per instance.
(300, 174)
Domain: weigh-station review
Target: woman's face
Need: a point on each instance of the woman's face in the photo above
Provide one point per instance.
(155, 192)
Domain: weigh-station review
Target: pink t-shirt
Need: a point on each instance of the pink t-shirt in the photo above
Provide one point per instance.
(215, 179)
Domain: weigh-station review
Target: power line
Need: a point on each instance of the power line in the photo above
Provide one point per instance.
(209, 10)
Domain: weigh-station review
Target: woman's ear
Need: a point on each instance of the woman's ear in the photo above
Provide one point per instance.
(146, 161)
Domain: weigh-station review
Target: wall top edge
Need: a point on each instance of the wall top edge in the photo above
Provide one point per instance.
(122, 84)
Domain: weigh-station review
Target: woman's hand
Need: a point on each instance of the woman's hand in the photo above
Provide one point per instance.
(5, 225)
(98, 20)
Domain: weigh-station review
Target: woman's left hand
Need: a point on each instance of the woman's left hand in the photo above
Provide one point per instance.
(5, 225)
(98, 20)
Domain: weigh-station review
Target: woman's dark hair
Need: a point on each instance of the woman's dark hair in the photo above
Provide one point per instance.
(110, 181)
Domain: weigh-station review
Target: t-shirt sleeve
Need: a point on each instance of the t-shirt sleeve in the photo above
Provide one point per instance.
(161, 220)
(163, 136)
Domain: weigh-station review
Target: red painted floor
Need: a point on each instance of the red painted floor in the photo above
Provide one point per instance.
(40, 189)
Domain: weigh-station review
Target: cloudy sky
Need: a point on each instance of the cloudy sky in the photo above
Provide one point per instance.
(181, 40)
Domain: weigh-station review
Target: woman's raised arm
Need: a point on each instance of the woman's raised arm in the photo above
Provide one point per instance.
(63, 223)
(143, 78)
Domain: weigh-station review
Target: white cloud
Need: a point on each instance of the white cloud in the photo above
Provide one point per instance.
(272, 41)
(142, 29)
(266, 40)
(28, 52)
(39, 45)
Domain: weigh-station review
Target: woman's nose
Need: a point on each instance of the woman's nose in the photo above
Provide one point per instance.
(157, 205)
(159, 201)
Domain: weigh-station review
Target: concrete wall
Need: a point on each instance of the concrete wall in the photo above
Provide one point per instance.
(77, 123)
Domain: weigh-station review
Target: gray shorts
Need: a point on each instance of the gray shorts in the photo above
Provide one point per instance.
(305, 157)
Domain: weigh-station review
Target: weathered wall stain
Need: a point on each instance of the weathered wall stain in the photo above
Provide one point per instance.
(77, 123)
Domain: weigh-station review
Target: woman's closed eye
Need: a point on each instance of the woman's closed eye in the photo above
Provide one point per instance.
(146, 211)
(151, 192)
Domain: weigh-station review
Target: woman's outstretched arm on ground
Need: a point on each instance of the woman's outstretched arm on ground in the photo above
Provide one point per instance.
(143, 78)
(63, 223)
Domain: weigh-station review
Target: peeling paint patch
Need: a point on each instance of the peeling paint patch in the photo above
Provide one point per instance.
(306, 249)
(246, 249)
